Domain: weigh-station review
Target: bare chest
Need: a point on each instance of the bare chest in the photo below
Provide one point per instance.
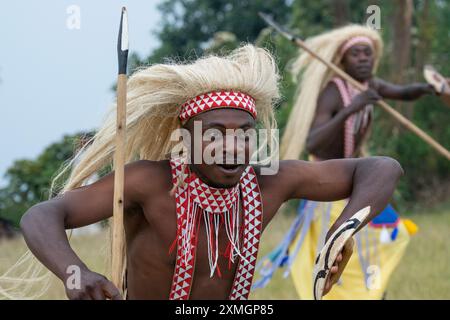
(152, 253)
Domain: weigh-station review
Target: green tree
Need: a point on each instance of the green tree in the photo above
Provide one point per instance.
(191, 27)
(188, 26)
(427, 172)
(28, 181)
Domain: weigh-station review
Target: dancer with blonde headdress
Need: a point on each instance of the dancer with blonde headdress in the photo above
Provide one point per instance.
(193, 225)
(331, 120)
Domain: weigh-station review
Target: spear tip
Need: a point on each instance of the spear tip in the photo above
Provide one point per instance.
(122, 43)
(269, 20)
(124, 29)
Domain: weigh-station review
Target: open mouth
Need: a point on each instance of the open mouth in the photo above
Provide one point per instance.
(363, 68)
(229, 168)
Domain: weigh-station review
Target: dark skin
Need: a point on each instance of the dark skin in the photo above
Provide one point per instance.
(150, 216)
(326, 137)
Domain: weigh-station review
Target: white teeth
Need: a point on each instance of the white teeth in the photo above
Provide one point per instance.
(233, 169)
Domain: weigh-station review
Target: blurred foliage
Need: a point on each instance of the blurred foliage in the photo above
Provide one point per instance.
(190, 28)
(29, 180)
(427, 172)
(193, 27)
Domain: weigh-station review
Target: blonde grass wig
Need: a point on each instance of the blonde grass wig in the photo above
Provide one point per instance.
(312, 77)
(154, 97)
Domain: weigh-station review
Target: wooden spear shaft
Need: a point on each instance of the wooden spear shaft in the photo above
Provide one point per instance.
(118, 234)
(399, 117)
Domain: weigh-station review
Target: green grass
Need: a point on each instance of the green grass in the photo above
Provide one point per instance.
(91, 248)
(423, 273)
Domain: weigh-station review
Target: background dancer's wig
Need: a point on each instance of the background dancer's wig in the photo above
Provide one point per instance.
(312, 77)
(155, 95)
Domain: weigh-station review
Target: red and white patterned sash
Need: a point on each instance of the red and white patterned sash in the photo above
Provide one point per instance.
(357, 121)
(195, 199)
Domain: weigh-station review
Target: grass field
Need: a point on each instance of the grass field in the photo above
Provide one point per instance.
(424, 272)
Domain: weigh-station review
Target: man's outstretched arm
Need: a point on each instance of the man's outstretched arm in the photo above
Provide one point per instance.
(366, 182)
(407, 92)
(44, 225)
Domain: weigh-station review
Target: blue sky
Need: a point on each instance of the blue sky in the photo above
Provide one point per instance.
(56, 80)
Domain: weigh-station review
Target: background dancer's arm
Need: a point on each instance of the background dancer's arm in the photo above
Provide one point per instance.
(44, 225)
(331, 115)
(406, 92)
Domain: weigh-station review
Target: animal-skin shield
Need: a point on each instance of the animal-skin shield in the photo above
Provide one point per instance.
(332, 248)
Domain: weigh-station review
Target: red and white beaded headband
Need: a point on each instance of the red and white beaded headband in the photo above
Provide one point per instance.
(217, 99)
(354, 40)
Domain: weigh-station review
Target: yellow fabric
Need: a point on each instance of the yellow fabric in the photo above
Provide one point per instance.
(383, 259)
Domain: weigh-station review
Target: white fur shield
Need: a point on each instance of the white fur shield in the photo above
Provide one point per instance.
(331, 249)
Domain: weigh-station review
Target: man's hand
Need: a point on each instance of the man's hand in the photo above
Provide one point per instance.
(339, 265)
(93, 286)
(429, 89)
(370, 96)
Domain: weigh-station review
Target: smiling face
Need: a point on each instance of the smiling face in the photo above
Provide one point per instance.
(222, 138)
(358, 61)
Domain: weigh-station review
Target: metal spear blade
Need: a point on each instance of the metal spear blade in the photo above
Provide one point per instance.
(122, 43)
(268, 19)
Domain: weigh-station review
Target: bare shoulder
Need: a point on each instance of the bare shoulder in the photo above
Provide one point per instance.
(279, 186)
(145, 178)
(143, 168)
(296, 178)
(329, 99)
(273, 172)
(294, 169)
(330, 89)
(281, 177)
